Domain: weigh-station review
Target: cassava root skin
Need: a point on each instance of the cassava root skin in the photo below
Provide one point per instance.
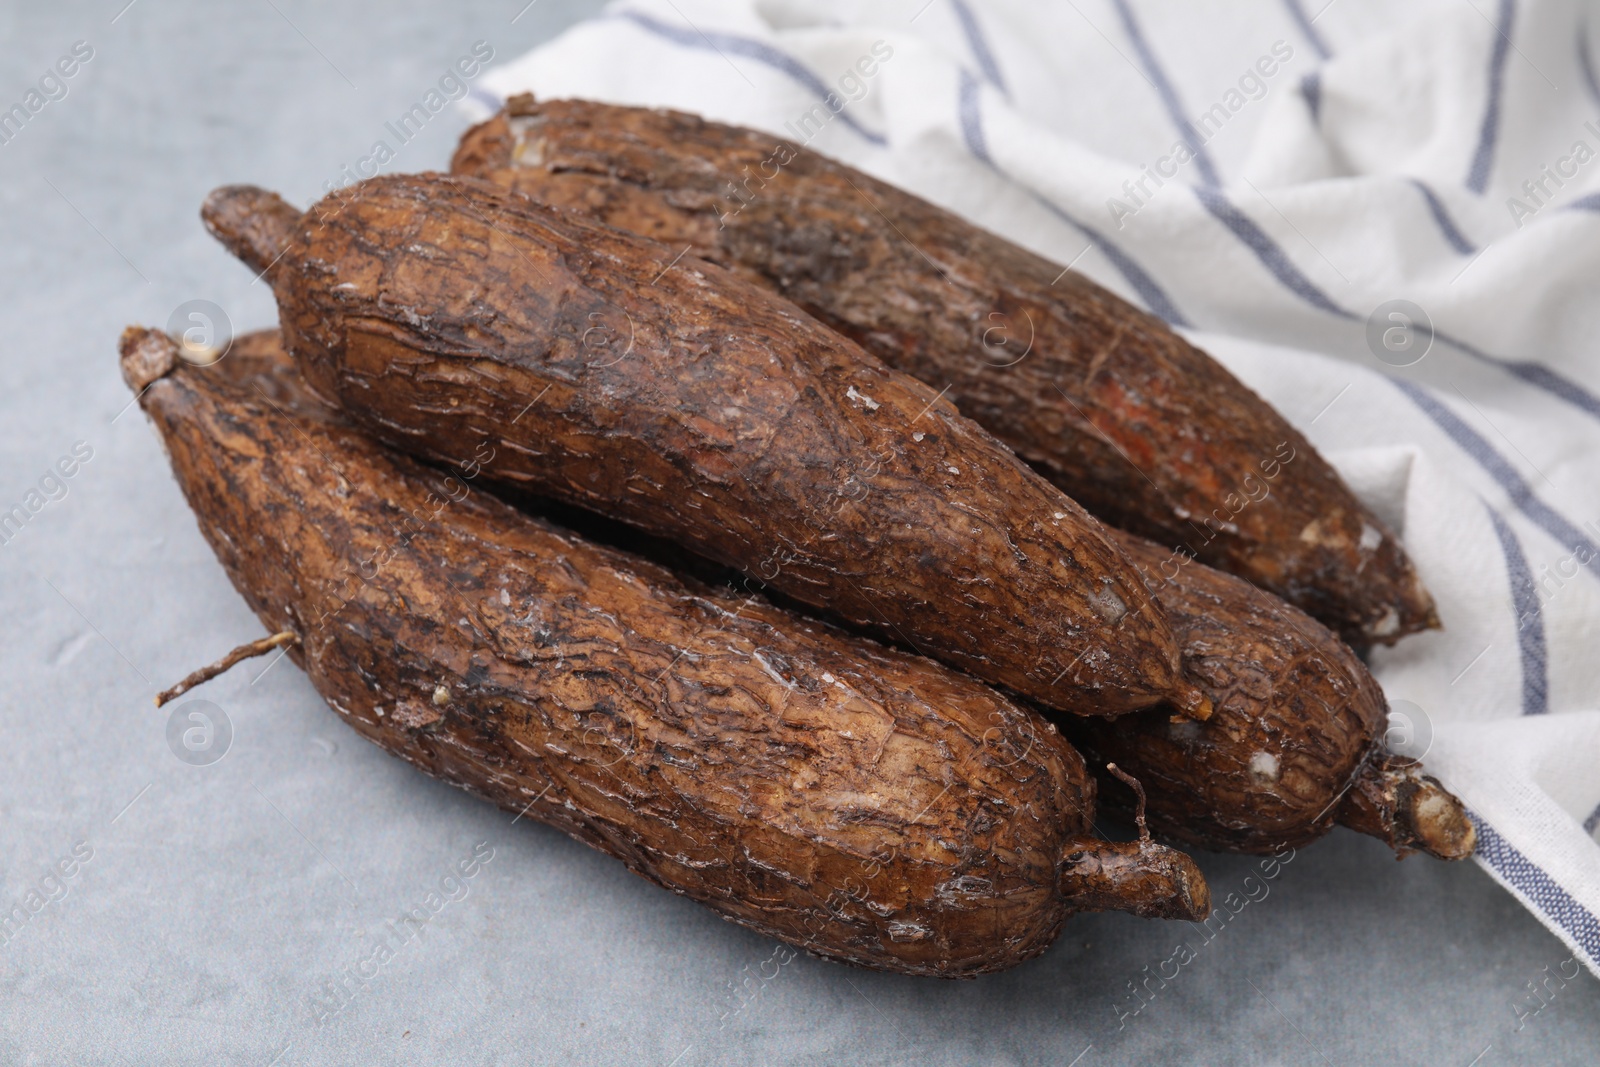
(454, 319)
(1133, 422)
(1294, 744)
(864, 804)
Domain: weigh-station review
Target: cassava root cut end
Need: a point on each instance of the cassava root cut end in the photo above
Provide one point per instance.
(147, 356)
(1191, 702)
(254, 224)
(248, 650)
(1392, 800)
(1140, 876)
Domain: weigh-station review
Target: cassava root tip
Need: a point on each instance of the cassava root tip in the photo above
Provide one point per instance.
(1142, 877)
(1393, 800)
(146, 356)
(254, 224)
(243, 652)
(1191, 702)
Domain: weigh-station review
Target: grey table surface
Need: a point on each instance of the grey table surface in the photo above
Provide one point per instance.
(208, 908)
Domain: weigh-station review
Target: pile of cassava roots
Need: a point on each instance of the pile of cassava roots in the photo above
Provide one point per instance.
(820, 556)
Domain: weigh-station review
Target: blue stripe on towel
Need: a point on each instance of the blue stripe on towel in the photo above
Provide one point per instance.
(1447, 226)
(750, 48)
(1586, 62)
(483, 96)
(1530, 622)
(1535, 374)
(1154, 297)
(971, 115)
(1478, 175)
(979, 45)
(1169, 95)
(1273, 257)
(1473, 444)
(1591, 202)
(1307, 30)
(1277, 261)
(1268, 252)
(1592, 821)
(1311, 89)
(1531, 881)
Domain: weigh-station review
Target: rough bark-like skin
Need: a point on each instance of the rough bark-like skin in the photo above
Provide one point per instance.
(462, 322)
(1136, 424)
(1293, 744)
(867, 805)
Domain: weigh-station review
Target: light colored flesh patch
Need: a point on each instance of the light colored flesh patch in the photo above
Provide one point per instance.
(1431, 807)
(1264, 765)
(1386, 625)
(866, 401)
(1108, 605)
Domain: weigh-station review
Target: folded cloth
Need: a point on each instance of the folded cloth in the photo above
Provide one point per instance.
(1383, 216)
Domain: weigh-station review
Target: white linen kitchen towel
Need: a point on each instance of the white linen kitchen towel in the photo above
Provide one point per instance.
(1271, 178)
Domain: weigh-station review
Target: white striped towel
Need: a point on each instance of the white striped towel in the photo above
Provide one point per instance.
(1267, 177)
